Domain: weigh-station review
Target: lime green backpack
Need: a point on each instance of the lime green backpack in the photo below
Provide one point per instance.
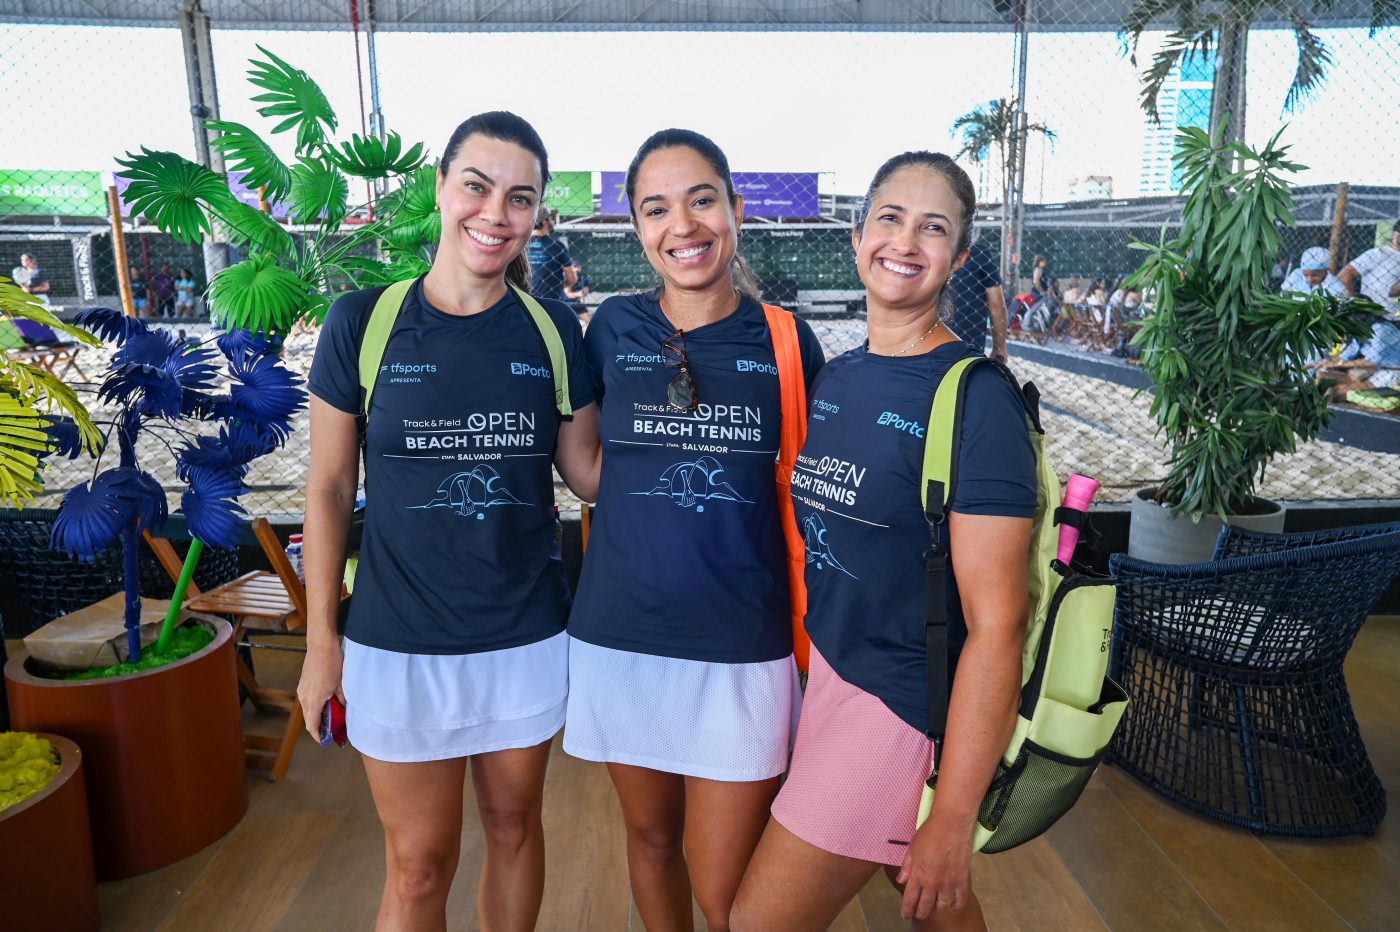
(1069, 707)
(376, 341)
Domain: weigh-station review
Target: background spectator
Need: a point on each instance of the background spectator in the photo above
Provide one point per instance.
(1312, 273)
(1378, 270)
(975, 293)
(33, 279)
(162, 291)
(184, 294)
(551, 266)
(138, 292)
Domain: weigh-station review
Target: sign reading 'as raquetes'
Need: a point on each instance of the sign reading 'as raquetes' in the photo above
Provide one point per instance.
(40, 193)
(766, 194)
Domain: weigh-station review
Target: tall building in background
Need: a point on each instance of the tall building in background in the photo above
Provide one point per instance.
(1183, 101)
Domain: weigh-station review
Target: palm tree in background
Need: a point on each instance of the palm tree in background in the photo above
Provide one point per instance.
(992, 128)
(1222, 28)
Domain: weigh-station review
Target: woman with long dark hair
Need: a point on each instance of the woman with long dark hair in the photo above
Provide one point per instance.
(455, 651)
(681, 671)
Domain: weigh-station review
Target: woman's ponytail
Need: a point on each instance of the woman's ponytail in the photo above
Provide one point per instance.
(745, 281)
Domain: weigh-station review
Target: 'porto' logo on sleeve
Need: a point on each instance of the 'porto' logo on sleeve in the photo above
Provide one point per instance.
(890, 419)
(524, 368)
(753, 365)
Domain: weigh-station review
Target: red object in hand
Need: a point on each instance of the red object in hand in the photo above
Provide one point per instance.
(333, 723)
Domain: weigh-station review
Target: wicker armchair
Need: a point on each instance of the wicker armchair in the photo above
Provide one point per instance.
(1239, 708)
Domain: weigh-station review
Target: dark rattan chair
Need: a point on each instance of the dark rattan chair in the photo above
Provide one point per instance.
(1239, 708)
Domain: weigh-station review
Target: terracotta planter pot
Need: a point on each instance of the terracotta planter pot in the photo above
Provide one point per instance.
(164, 752)
(48, 880)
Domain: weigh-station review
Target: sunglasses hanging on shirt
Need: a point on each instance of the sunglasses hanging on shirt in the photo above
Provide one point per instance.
(680, 391)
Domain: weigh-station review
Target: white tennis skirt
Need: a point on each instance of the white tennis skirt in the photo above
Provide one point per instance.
(720, 721)
(421, 707)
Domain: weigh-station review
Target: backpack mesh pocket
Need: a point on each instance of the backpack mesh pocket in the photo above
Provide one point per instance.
(1028, 797)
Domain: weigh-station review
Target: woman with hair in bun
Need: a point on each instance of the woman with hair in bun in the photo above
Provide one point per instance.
(681, 671)
(851, 800)
(454, 652)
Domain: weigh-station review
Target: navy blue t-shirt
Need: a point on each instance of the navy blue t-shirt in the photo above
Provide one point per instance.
(458, 553)
(856, 495)
(967, 290)
(686, 556)
(549, 257)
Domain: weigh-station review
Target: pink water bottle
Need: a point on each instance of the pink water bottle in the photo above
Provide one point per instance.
(1079, 495)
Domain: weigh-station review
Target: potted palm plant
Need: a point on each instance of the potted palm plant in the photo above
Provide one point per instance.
(1226, 357)
(169, 810)
(161, 730)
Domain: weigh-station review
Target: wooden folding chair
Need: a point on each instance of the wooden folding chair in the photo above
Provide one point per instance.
(256, 601)
(56, 358)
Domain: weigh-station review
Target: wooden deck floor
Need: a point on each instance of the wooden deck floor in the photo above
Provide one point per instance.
(308, 855)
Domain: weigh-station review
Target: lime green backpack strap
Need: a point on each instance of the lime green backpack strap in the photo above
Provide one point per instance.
(386, 311)
(554, 347)
(939, 434)
(376, 338)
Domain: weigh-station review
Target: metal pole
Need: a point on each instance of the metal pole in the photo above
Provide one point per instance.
(1339, 221)
(114, 208)
(1018, 181)
(376, 115)
(204, 105)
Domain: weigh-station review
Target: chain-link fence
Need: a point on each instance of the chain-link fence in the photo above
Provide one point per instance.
(1043, 102)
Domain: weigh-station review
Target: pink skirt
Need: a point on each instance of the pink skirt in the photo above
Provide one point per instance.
(857, 772)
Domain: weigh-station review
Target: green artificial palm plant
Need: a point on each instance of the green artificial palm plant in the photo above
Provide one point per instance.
(39, 414)
(287, 278)
(1227, 356)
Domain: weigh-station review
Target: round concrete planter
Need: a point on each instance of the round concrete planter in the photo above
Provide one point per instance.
(48, 880)
(164, 752)
(1156, 535)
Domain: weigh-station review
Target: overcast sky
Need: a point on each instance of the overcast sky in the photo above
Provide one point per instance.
(838, 103)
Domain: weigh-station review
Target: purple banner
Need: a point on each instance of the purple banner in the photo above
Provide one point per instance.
(778, 194)
(766, 194)
(614, 200)
(240, 190)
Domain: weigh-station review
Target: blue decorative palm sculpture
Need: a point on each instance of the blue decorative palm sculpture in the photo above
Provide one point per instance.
(161, 384)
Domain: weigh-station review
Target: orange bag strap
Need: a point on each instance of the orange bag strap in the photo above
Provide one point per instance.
(793, 387)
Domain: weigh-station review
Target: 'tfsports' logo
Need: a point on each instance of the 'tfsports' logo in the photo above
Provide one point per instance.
(890, 419)
(636, 358)
(399, 368)
(751, 365)
(524, 368)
